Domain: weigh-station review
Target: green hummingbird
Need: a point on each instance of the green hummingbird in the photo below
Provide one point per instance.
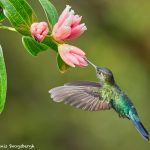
(105, 94)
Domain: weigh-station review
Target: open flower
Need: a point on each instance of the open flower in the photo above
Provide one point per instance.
(72, 55)
(68, 26)
(39, 30)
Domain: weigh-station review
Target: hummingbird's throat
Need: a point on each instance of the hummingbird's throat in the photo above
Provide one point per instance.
(104, 80)
(101, 77)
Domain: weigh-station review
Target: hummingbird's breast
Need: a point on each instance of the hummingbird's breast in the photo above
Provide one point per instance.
(109, 92)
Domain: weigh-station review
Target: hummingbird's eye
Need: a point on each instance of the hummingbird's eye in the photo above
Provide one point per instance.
(99, 72)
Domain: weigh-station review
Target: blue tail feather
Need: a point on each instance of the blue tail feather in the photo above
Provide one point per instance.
(141, 129)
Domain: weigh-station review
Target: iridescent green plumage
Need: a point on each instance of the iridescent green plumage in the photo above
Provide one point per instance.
(119, 101)
(94, 96)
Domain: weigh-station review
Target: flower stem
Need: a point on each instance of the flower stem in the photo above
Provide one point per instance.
(7, 28)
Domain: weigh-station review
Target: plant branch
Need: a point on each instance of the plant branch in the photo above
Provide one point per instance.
(7, 28)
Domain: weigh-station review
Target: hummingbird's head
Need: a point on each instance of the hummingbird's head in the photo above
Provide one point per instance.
(105, 75)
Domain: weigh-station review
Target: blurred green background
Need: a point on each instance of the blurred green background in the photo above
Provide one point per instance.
(118, 37)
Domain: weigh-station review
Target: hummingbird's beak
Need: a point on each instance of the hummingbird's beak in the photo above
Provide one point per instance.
(91, 63)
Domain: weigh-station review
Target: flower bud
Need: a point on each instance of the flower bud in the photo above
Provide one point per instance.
(39, 30)
(72, 55)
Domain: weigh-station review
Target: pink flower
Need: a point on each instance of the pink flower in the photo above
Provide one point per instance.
(68, 26)
(72, 55)
(39, 30)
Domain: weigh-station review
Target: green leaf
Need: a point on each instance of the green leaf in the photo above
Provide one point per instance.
(32, 46)
(63, 67)
(2, 16)
(20, 14)
(51, 43)
(3, 81)
(50, 11)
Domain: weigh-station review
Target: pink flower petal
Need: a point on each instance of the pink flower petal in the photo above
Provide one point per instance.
(80, 58)
(76, 20)
(83, 65)
(33, 27)
(55, 28)
(73, 59)
(62, 33)
(64, 15)
(77, 51)
(77, 31)
(66, 59)
(68, 20)
(44, 33)
(43, 24)
(39, 37)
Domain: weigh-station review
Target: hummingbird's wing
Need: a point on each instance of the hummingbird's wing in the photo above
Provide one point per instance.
(81, 94)
(83, 83)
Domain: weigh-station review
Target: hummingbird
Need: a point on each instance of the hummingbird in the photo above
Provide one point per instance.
(96, 96)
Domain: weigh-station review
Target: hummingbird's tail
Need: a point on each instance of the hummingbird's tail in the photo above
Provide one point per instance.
(141, 129)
